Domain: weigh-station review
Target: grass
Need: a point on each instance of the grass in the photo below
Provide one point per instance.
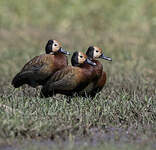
(49, 145)
(122, 116)
(118, 115)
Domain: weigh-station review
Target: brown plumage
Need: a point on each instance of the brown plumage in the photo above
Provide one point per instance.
(71, 79)
(40, 68)
(99, 81)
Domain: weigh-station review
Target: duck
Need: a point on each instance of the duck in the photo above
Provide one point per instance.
(97, 84)
(36, 71)
(71, 79)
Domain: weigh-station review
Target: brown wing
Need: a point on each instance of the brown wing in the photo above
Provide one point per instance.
(65, 79)
(35, 71)
(36, 63)
(42, 66)
(62, 82)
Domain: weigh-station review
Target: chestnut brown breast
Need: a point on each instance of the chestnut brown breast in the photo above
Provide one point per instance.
(39, 69)
(101, 81)
(98, 86)
(97, 82)
(69, 80)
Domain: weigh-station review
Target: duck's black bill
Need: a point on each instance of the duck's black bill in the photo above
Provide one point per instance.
(90, 62)
(64, 51)
(105, 57)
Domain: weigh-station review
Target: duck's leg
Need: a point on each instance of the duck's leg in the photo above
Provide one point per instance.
(45, 93)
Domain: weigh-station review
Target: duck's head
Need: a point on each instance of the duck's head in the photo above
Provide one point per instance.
(80, 58)
(53, 47)
(95, 52)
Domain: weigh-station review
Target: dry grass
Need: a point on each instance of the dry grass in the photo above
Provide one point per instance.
(126, 32)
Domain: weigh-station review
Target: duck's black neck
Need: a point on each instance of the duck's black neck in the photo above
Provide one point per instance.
(74, 59)
(90, 52)
(75, 64)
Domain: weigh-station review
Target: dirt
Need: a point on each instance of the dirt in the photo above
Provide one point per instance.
(113, 136)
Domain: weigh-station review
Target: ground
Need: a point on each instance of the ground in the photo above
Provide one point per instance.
(122, 116)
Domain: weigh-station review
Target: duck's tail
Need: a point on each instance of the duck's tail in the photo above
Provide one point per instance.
(18, 80)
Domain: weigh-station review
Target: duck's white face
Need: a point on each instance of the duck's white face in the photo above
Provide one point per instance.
(81, 58)
(56, 46)
(97, 52)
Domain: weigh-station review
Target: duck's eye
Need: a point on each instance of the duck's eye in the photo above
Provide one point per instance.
(55, 44)
(81, 56)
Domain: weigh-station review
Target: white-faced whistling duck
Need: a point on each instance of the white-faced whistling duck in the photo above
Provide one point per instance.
(71, 79)
(40, 68)
(99, 81)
